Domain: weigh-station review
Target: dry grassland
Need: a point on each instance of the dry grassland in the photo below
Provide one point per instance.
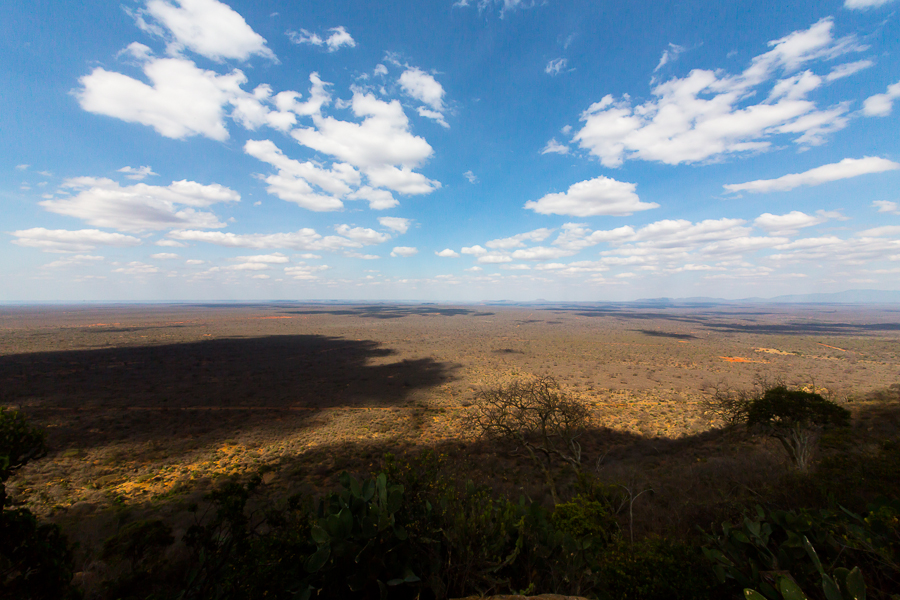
(148, 406)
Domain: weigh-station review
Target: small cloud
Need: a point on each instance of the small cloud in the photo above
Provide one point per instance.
(138, 173)
(475, 269)
(194, 261)
(886, 206)
(403, 251)
(594, 197)
(137, 268)
(881, 105)
(849, 167)
(380, 69)
(339, 38)
(848, 69)
(22, 167)
(398, 224)
(475, 250)
(470, 176)
(555, 66)
(137, 51)
(555, 147)
(669, 54)
(170, 244)
(164, 256)
(864, 4)
(447, 253)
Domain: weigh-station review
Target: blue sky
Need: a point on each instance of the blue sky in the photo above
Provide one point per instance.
(477, 150)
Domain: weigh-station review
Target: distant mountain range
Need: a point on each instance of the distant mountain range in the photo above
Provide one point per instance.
(847, 297)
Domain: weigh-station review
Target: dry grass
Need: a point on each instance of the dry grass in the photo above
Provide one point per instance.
(148, 407)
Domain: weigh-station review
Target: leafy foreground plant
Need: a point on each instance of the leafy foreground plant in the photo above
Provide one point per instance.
(778, 552)
(35, 560)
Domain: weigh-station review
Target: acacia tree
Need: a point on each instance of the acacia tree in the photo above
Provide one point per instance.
(536, 415)
(796, 419)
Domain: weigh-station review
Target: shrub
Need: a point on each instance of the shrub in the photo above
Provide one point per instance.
(795, 418)
(35, 560)
(654, 569)
(536, 415)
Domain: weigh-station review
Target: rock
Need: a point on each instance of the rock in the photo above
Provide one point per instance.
(518, 597)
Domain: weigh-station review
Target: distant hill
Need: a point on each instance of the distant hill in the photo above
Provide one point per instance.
(846, 297)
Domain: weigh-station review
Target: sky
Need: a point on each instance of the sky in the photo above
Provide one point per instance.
(189, 150)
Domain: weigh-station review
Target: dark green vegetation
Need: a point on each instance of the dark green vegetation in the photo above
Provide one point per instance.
(35, 561)
(415, 527)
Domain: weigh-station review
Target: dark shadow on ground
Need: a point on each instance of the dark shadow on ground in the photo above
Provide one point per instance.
(151, 391)
(667, 334)
(392, 311)
(735, 321)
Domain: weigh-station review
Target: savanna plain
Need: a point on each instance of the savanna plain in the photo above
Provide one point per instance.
(149, 408)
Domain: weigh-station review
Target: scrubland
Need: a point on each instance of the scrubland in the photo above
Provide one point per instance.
(149, 408)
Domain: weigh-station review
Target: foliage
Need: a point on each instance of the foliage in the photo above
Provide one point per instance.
(35, 560)
(782, 408)
(303, 549)
(795, 418)
(855, 475)
(537, 416)
(728, 406)
(762, 551)
(20, 442)
(654, 569)
(584, 517)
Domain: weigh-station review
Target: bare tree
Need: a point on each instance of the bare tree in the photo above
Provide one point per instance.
(536, 415)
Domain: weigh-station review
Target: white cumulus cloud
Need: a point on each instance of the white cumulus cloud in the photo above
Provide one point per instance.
(518, 241)
(339, 38)
(849, 167)
(709, 114)
(403, 251)
(447, 253)
(420, 85)
(207, 27)
(788, 223)
(554, 147)
(887, 206)
(294, 180)
(381, 146)
(398, 224)
(880, 105)
(864, 4)
(138, 173)
(102, 202)
(181, 100)
(594, 197)
(555, 66)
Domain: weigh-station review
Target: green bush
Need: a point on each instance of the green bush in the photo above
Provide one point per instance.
(797, 544)
(654, 569)
(35, 560)
(795, 418)
(20, 442)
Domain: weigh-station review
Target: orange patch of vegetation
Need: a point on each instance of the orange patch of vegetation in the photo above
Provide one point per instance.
(773, 351)
(274, 317)
(832, 347)
(738, 359)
